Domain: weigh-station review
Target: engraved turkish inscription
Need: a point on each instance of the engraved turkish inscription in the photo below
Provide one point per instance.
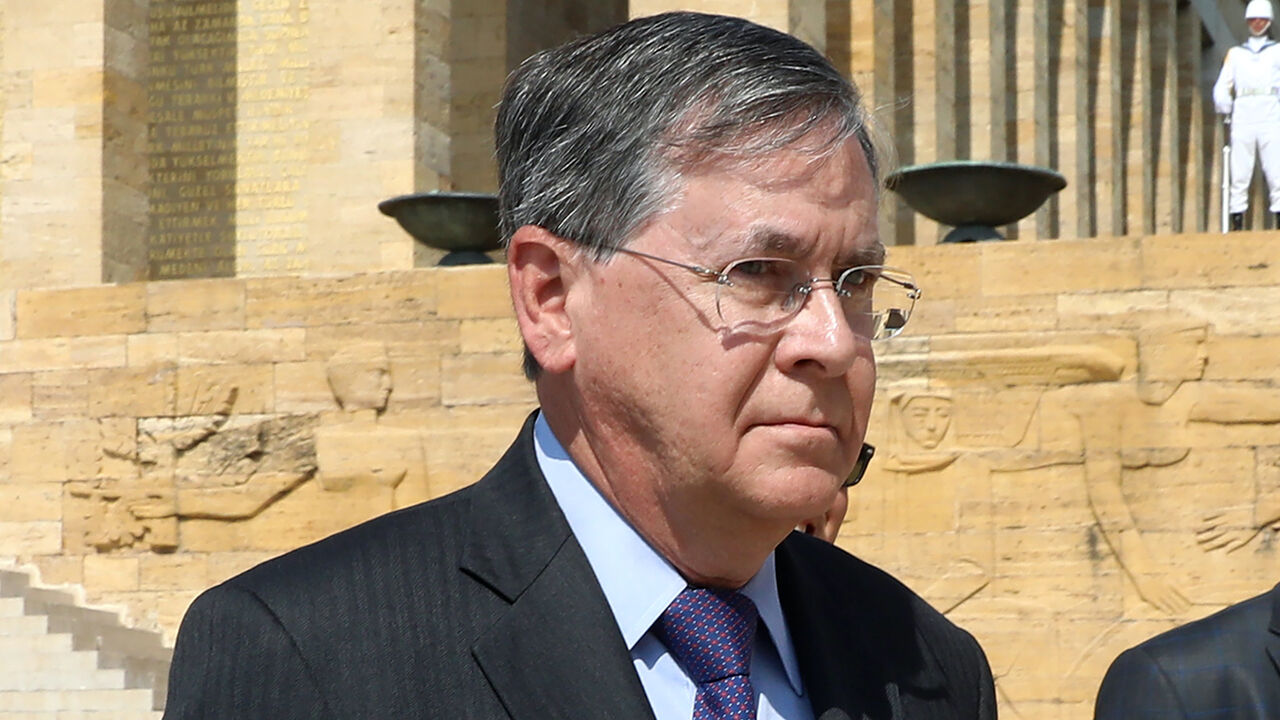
(191, 138)
(275, 136)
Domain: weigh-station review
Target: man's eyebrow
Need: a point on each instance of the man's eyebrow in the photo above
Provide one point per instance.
(872, 254)
(772, 240)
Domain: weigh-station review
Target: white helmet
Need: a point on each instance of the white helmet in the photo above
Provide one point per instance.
(1258, 9)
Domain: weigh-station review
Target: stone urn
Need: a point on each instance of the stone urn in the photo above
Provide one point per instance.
(464, 224)
(975, 197)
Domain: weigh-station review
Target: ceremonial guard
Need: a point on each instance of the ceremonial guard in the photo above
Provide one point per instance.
(1248, 93)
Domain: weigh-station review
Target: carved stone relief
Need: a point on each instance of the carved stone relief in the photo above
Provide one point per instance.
(356, 452)
(222, 466)
(1078, 428)
(217, 465)
(925, 499)
(1231, 528)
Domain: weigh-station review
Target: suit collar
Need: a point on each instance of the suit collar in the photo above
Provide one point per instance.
(555, 650)
(516, 526)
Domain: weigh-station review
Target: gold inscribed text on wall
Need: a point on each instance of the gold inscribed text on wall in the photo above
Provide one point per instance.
(191, 145)
(274, 136)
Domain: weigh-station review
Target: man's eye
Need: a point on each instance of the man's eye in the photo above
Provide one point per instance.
(754, 268)
(858, 278)
(774, 275)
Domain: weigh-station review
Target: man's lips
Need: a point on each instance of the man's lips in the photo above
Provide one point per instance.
(801, 425)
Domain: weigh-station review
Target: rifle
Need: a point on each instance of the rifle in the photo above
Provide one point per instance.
(1226, 173)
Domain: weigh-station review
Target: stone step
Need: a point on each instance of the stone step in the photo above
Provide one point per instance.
(13, 583)
(24, 625)
(70, 701)
(11, 607)
(22, 645)
(32, 659)
(62, 659)
(90, 679)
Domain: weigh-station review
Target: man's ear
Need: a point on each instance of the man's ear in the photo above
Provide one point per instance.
(541, 268)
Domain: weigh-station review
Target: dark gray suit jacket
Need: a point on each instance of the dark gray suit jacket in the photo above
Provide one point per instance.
(481, 604)
(1224, 667)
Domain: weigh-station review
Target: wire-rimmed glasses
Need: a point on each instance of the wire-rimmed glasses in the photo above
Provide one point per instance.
(877, 300)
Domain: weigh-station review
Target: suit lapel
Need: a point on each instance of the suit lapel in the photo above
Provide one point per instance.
(833, 663)
(1273, 640)
(860, 656)
(555, 651)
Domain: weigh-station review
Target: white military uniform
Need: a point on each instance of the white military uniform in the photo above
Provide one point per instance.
(1248, 89)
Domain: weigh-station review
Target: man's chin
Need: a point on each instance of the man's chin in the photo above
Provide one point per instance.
(792, 495)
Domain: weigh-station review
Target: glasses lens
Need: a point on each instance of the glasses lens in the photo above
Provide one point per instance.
(759, 291)
(877, 300)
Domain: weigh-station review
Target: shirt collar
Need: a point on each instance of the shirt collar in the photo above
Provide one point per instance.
(639, 583)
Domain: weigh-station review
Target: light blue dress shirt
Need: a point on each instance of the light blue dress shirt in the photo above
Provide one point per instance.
(639, 584)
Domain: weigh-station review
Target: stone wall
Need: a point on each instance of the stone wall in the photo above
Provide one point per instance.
(1079, 441)
(1079, 447)
(156, 438)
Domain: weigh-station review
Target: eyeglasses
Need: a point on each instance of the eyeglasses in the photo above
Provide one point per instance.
(860, 467)
(877, 300)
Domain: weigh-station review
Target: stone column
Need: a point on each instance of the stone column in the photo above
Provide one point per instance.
(1030, 123)
(1168, 125)
(1076, 129)
(894, 89)
(1197, 159)
(806, 19)
(125, 174)
(923, 71)
(1108, 137)
(1001, 83)
(326, 129)
(479, 62)
(980, 48)
(51, 228)
(1141, 123)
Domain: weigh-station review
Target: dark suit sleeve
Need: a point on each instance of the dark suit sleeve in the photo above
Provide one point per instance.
(1137, 688)
(970, 676)
(986, 687)
(233, 659)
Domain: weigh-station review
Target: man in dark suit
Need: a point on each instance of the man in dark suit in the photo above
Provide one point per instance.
(690, 207)
(1223, 667)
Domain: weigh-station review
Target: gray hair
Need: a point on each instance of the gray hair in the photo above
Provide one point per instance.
(592, 136)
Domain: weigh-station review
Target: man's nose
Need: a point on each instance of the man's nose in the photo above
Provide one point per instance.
(820, 333)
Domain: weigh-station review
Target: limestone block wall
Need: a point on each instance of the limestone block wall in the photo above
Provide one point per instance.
(1078, 441)
(51, 184)
(1079, 448)
(157, 438)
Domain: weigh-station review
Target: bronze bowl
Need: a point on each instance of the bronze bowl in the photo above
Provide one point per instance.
(973, 196)
(465, 224)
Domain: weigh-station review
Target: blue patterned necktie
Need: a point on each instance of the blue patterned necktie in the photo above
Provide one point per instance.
(710, 633)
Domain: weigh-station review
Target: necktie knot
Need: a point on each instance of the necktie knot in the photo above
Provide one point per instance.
(710, 633)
